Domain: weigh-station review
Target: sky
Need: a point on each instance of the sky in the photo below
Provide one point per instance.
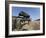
(33, 12)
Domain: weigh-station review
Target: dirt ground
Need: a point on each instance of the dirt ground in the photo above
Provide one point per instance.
(33, 25)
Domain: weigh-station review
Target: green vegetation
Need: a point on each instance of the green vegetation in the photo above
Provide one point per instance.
(24, 14)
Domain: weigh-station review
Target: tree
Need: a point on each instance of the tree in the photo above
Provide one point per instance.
(24, 14)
